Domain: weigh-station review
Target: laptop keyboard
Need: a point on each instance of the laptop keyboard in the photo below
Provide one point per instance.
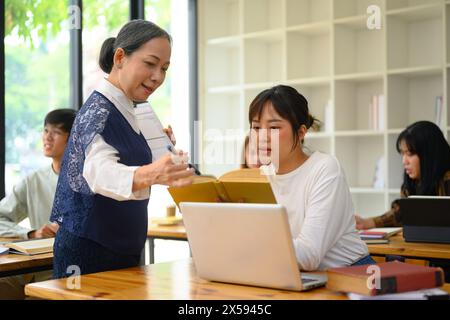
(307, 280)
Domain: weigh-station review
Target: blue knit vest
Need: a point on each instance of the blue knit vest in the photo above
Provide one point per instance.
(120, 226)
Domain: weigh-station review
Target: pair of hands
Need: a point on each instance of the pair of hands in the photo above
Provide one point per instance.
(166, 173)
(171, 170)
(49, 230)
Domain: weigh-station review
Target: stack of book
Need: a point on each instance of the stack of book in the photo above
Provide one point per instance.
(386, 281)
(378, 235)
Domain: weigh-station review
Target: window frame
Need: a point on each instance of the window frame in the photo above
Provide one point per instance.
(2, 103)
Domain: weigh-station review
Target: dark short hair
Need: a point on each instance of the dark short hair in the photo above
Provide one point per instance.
(426, 140)
(288, 103)
(63, 118)
(130, 38)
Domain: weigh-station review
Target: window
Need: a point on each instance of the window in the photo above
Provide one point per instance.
(37, 76)
(36, 79)
(171, 106)
(101, 20)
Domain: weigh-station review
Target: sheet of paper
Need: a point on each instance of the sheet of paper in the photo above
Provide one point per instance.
(153, 130)
(3, 250)
(425, 294)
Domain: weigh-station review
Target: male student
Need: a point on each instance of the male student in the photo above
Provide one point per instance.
(33, 196)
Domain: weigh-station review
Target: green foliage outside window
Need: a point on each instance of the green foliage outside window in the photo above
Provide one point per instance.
(37, 61)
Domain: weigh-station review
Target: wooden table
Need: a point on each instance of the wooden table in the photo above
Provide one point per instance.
(169, 281)
(414, 250)
(173, 232)
(15, 264)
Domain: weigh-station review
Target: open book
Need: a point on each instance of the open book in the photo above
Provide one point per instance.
(31, 247)
(244, 185)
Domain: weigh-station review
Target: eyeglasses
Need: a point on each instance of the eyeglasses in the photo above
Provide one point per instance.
(54, 133)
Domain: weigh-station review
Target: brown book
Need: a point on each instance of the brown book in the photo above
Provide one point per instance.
(394, 277)
(244, 185)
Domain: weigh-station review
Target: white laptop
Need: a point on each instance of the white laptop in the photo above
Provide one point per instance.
(248, 244)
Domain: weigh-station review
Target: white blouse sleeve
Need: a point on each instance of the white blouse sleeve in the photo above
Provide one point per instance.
(106, 176)
(325, 220)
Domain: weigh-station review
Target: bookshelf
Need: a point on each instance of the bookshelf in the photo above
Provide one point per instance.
(263, 57)
(324, 49)
(408, 94)
(262, 15)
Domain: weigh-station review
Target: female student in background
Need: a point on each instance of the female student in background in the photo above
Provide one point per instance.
(103, 189)
(249, 158)
(312, 188)
(426, 159)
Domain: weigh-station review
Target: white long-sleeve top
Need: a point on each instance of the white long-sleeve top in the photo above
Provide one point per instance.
(321, 215)
(32, 197)
(102, 171)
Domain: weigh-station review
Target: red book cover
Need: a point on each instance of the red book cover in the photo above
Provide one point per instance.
(373, 233)
(394, 277)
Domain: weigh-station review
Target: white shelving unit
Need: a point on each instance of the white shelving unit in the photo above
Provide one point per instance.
(325, 50)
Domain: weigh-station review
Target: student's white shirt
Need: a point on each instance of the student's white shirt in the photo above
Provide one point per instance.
(102, 171)
(321, 214)
(31, 198)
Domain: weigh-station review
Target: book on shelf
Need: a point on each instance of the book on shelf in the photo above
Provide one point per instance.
(377, 113)
(381, 112)
(328, 117)
(31, 247)
(384, 278)
(439, 112)
(378, 233)
(243, 185)
(378, 177)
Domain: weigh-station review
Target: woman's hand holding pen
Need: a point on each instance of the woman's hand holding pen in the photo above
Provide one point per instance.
(170, 134)
(163, 171)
